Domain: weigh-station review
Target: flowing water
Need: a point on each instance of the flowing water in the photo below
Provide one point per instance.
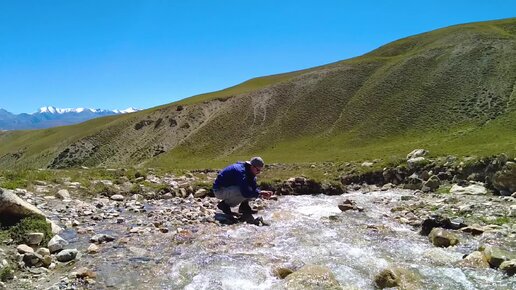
(304, 230)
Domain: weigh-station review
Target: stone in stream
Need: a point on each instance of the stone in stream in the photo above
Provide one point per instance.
(312, 277)
(67, 255)
(63, 194)
(282, 272)
(101, 238)
(117, 197)
(508, 267)
(56, 244)
(472, 189)
(475, 260)
(92, 249)
(496, 256)
(32, 259)
(438, 221)
(442, 238)
(397, 277)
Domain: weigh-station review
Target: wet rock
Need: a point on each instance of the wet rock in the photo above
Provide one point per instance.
(282, 272)
(472, 189)
(56, 244)
(34, 238)
(508, 267)
(67, 255)
(442, 238)
(349, 205)
(312, 277)
(475, 260)
(23, 249)
(438, 221)
(496, 256)
(397, 277)
(101, 238)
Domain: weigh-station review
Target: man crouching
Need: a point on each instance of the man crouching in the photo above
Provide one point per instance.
(236, 184)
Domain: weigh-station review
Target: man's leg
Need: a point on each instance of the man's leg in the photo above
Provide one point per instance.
(230, 196)
(244, 208)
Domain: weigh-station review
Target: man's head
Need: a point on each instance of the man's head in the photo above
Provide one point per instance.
(256, 165)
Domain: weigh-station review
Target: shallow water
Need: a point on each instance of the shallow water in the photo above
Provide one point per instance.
(304, 230)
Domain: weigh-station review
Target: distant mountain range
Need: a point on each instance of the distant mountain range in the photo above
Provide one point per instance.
(50, 116)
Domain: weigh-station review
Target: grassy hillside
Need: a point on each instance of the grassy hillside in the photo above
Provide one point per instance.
(452, 91)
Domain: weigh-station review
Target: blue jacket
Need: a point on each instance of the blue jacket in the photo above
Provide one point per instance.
(238, 174)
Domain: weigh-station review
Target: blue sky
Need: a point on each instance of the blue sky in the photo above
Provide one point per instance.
(115, 54)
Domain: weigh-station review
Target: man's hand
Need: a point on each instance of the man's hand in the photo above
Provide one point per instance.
(265, 194)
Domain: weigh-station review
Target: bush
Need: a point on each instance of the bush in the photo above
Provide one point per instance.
(28, 225)
(6, 273)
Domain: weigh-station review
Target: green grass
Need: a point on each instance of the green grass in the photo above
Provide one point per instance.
(450, 91)
(28, 225)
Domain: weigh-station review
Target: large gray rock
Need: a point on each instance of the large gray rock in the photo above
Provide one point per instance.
(416, 162)
(63, 194)
(67, 255)
(312, 277)
(432, 183)
(505, 179)
(56, 244)
(13, 209)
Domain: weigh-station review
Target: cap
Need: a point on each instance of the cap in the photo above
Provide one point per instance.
(257, 162)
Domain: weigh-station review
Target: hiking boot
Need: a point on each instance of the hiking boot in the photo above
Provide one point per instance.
(225, 208)
(244, 208)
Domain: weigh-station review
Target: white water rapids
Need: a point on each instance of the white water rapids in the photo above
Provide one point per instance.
(304, 230)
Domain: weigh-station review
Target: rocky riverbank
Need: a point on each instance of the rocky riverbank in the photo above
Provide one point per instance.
(469, 206)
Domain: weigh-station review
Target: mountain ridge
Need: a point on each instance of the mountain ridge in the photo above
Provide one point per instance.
(451, 90)
(50, 116)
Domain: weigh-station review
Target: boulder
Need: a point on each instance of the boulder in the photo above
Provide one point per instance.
(13, 209)
(67, 255)
(496, 256)
(32, 259)
(35, 238)
(508, 267)
(200, 193)
(312, 277)
(417, 153)
(56, 244)
(416, 162)
(101, 238)
(475, 260)
(472, 189)
(117, 197)
(432, 184)
(63, 194)
(442, 238)
(23, 249)
(282, 272)
(413, 182)
(512, 210)
(397, 277)
(505, 179)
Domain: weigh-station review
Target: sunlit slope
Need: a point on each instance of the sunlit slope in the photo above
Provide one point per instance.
(452, 90)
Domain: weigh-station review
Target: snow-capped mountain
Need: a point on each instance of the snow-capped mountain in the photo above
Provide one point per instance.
(50, 116)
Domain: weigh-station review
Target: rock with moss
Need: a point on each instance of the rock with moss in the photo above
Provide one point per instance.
(496, 256)
(312, 277)
(432, 184)
(505, 180)
(472, 189)
(442, 238)
(13, 209)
